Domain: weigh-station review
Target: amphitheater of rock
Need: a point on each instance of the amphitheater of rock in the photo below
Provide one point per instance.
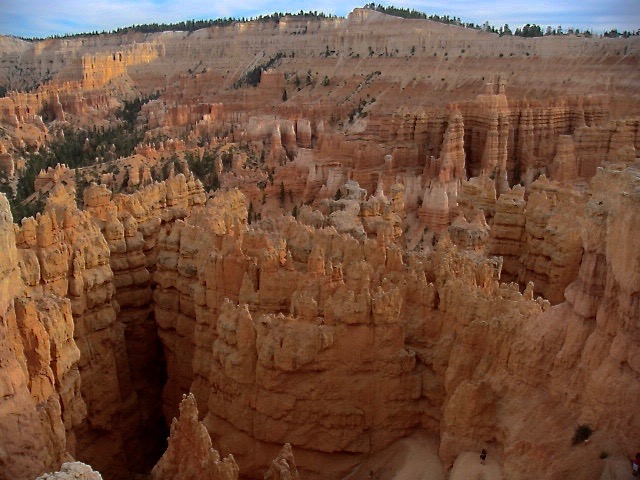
(426, 246)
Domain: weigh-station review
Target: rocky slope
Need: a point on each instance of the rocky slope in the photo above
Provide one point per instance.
(340, 344)
(423, 239)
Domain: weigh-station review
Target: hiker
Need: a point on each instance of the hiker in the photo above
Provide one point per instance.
(483, 456)
(635, 465)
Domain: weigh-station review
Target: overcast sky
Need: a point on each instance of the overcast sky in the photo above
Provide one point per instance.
(41, 18)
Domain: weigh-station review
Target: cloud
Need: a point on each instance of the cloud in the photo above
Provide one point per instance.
(72, 16)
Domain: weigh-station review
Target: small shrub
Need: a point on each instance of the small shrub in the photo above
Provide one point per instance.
(582, 433)
(604, 454)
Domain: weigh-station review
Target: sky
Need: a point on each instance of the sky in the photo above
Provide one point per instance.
(41, 18)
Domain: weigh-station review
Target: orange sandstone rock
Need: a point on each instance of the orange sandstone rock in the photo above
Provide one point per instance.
(283, 467)
(190, 454)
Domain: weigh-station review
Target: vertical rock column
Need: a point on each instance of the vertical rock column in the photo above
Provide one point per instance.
(452, 151)
(553, 247)
(134, 296)
(40, 401)
(190, 454)
(564, 167)
(507, 233)
(46, 329)
(174, 310)
(175, 266)
(72, 256)
(601, 344)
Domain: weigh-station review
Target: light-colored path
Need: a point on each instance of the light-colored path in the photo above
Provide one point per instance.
(468, 467)
(412, 458)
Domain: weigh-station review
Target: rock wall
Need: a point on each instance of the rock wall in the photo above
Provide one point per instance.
(69, 344)
(346, 293)
(602, 302)
(507, 236)
(64, 253)
(553, 246)
(538, 238)
(41, 402)
(435, 341)
(337, 344)
(347, 339)
(131, 226)
(131, 280)
(98, 69)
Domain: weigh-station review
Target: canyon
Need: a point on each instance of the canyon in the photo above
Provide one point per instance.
(404, 243)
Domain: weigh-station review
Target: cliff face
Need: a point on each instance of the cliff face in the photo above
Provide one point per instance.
(388, 81)
(335, 344)
(602, 300)
(434, 342)
(69, 345)
(131, 226)
(539, 241)
(63, 253)
(41, 400)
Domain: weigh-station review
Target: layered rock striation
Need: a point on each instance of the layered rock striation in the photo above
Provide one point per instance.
(41, 400)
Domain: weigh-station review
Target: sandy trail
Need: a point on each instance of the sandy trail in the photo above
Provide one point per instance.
(412, 458)
(468, 467)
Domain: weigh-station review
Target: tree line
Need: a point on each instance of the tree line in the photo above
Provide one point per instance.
(528, 30)
(188, 25)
